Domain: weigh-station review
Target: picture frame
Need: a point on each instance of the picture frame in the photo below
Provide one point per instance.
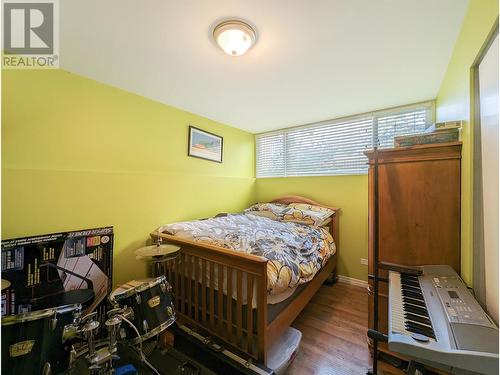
(205, 145)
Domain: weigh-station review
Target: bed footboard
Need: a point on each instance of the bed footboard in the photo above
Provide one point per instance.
(203, 279)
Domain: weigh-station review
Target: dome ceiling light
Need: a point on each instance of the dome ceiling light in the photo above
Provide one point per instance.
(234, 36)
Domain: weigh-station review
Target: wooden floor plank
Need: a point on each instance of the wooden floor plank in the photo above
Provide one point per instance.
(333, 327)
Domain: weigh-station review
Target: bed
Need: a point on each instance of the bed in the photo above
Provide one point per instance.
(228, 287)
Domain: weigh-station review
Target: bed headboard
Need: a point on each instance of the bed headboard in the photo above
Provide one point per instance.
(334, 224)
(287, 199)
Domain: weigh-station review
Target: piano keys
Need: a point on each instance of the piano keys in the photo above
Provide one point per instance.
(435, 320)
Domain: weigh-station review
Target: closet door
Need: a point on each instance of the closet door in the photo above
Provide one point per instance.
(488, 98)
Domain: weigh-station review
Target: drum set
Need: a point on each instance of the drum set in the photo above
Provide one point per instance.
(60, 340)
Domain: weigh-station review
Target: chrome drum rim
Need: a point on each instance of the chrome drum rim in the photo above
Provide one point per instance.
(38, 314)
(146, 284)
(154, 331)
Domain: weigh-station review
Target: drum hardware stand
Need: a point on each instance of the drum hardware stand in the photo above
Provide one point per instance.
(119, 313)
(113, 325)
(140, 351)
(96, 358)
(101, 360)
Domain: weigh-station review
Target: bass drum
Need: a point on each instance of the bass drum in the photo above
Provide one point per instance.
(151, 303)
(32, 342)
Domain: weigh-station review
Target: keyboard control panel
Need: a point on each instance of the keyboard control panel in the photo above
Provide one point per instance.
(460, 306)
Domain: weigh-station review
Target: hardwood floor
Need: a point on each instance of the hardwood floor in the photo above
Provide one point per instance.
(333, 329)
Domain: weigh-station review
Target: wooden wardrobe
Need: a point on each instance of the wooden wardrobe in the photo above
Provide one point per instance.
(419, 211)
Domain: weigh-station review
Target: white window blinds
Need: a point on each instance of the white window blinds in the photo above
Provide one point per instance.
(390, 125)
(336, 147)
(328, 149)
(270, 156)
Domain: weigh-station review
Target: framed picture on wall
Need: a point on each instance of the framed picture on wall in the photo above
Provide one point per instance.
(205, 145)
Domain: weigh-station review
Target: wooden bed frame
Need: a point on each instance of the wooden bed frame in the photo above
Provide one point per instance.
(247, 332)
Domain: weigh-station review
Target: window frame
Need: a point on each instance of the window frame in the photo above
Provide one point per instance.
(375, 115)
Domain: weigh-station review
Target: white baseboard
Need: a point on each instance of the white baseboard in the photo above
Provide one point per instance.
(352, 281)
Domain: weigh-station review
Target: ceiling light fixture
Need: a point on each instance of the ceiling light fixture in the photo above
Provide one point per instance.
(234, 36)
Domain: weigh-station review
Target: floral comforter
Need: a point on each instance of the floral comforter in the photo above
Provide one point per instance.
(295, 252)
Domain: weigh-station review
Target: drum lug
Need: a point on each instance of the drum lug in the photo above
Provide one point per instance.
(128, 313)
(77, 314)
(166, 287)
(170, 311)
(138, 299)
(53, 324)
(46, 369)
(145, 326)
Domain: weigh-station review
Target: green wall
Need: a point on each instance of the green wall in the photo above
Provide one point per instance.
(78, 154)
(453, 103)
(350, 193)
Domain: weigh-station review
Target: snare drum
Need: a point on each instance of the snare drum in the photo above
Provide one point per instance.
(32, 342)
(151, 303)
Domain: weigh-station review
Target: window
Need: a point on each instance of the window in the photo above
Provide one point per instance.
(271, 155)
(336, 147)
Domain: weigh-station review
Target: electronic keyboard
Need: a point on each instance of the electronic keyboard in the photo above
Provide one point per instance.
(435, 320)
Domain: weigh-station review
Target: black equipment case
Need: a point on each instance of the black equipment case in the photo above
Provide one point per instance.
(167, 362)
(172, 361)
(214, 355)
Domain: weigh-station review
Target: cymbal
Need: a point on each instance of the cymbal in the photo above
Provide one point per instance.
(157, 250)
(5, 284)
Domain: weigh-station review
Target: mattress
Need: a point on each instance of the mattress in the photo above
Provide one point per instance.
(296, 252)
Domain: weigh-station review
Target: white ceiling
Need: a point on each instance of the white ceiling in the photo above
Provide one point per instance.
(314, 60)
